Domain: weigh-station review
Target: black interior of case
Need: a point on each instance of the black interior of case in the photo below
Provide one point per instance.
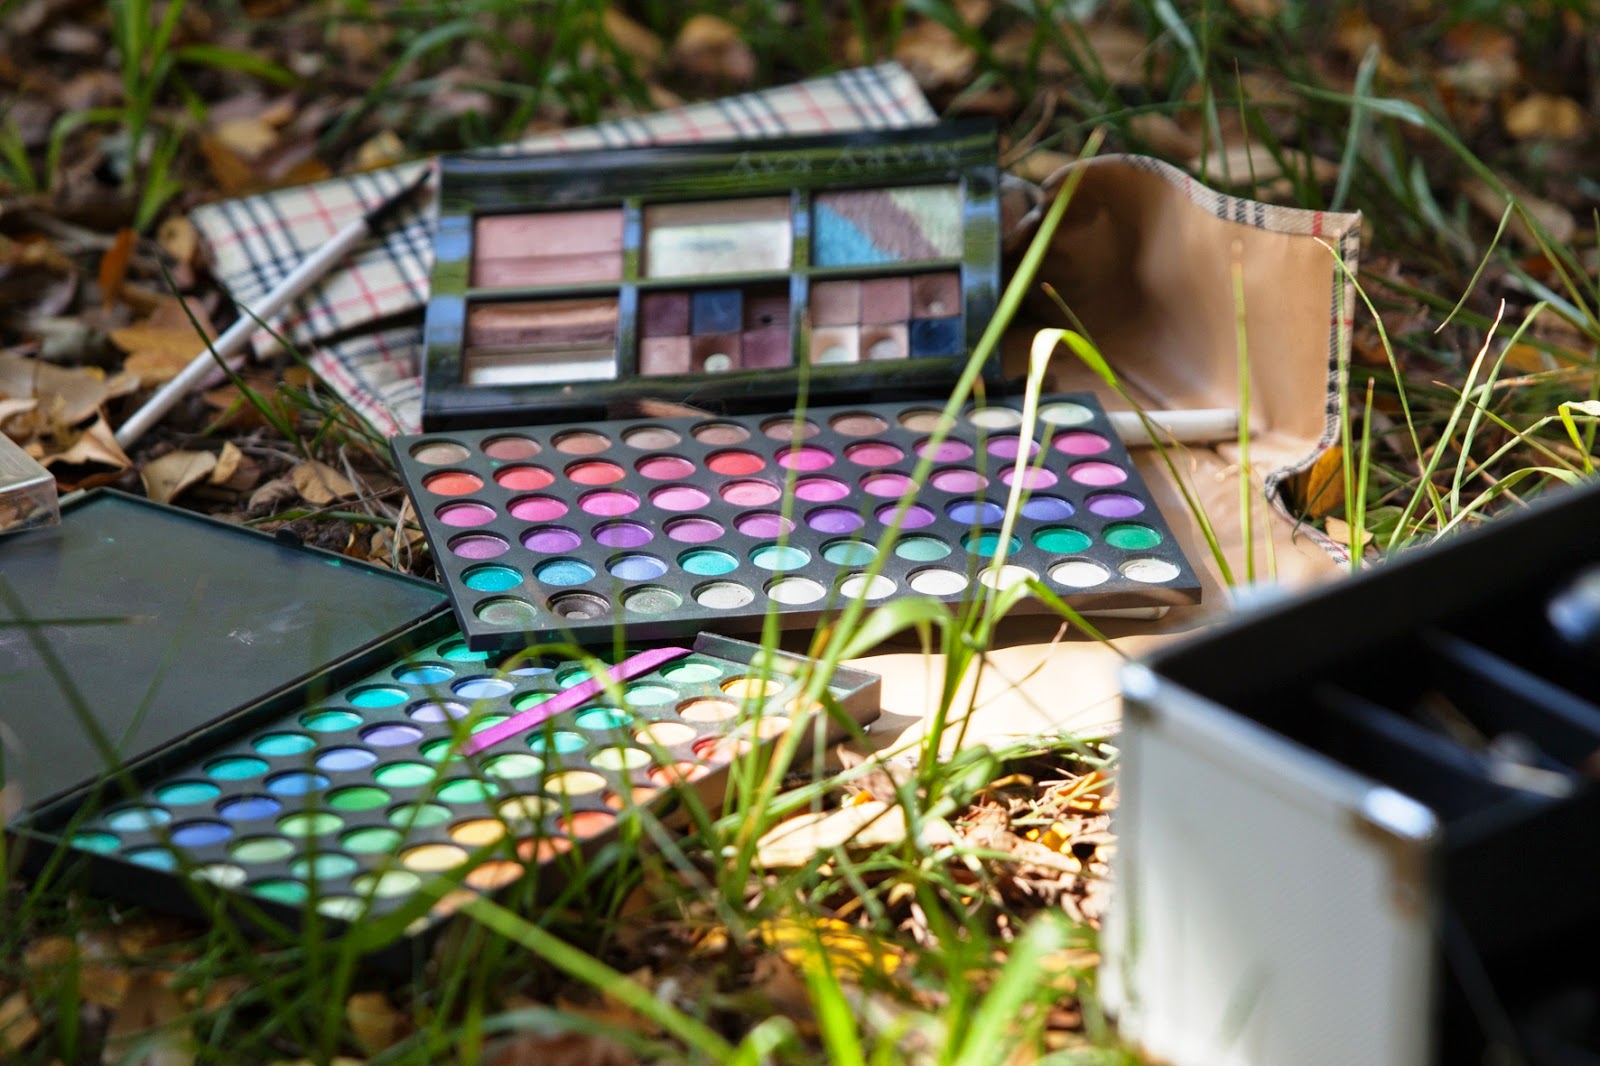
(1445, 676)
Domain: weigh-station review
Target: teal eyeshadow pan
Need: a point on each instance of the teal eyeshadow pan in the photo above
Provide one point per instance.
(735, 518)
(353, 820)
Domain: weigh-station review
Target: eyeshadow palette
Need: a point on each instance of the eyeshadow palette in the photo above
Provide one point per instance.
(728, 272)
(667, 526)
(349, 801)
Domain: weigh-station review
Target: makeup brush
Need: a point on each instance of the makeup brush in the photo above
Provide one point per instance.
(238, 335)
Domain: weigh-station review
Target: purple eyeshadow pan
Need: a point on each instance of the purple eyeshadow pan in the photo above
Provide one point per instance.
(622, 534)
(676, 521)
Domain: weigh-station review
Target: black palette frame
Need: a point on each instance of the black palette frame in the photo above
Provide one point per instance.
(961, 152)
(1117, 593)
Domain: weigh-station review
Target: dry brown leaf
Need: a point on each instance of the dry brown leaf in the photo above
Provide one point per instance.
(1242, 164)
(375, 1022)
(1338, 531)
(1556, 220)
(935, 56)
(96, 445)
(233, 174)
(847, 949)
(273, 495)
(165, 478)
(1040, 164)
(164, 343)
(1558, 118)
(248, 137)
(639, 41)
(18, 1022)
(867, 824)
(114, 265)
(1321, 489)
(227, 463)
(561, 1049)
(320, 484)
(712, 49)
(145, 1023)
(1261, 9)
(382, 149)
(1164, 136)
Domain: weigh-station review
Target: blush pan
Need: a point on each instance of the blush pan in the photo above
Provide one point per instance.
(854, 264)
(744, 517)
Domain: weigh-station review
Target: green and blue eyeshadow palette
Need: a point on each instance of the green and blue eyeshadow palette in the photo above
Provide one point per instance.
(354, 748)
(737, 273)
(665, 526)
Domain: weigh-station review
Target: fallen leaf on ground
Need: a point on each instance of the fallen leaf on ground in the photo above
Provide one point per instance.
(319, 483)
(145, 1026)
(374, 1021)
(97, 445)
(166, 478)
(18, 1022)
(227, 463)
(1339, 532)
(808, 945)
(639, 41)
(561, 1049)
(1544, 115)
(1320, 490)
(70, 393)
(713, 49)
(797, 841)
(935, 56)
(163, 343)
(1556, 220)
(1244, 164)
(114, 265)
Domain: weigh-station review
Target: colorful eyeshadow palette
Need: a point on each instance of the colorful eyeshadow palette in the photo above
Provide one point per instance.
(721, 272)
(349, 802)
(668, 526)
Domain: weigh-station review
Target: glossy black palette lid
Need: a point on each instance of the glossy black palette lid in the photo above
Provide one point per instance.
(151, 622)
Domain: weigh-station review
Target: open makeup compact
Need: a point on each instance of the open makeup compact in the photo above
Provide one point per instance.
(743, 274)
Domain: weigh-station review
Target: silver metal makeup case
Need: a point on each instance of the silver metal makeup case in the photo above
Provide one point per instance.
(1362, 827)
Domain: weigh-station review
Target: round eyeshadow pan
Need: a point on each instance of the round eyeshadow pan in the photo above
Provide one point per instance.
(1061, 540)
(296, 782)
(665, 734)
(834, 520)
(439, 452)
(280, 891)
(946, 451)
(326, 866)
(958, 479)
(594, 472)
(664, 467)
(248, 808)
(510, 448)
(708, 709)
(820, 489)
(200, 834)
(1097, 475)
(506, 611)
(603, 718)
(283, 743)
(330, 721)
(1081, 442)
(691, 673)
(714, 433)
(994, 417)
(620, 760)
(1006, 576)
(750, 492)
(479, 546)
(562, 572)
(751, 688)
(1065, 413)
(916, 516)
(887, 484)
(696, 530)
(372, 840)
(100, 843)
(452, 483)
(789, 429)
(986, 543)
(849, 552)
(937, 581)
(921, 419)
(609, 503)
(436, 710)
(921, 549)
(559, 741)
(477, 832)
(574, 783)
(235, 768)
(482, 688)
(340, 760)
(679, 498)
(734, 463)
(795, 590)
(373, 697)
(386, 885)
(550, 540)
(873, 453)
(466, 513)
(857, 424)
(1131, 536)
(780, 557)
(422, 673)
(581, 442)
(805, 458)
(1033, 477)
(651, 600)
(187, 793)
(467, 790)
(523, 478)
(708, 562)
(636, 567)
(1149, 571)
(537, 508)
(1008, 446)
(419, 815)
(862, 587)
(357, 798)
(513, 765)
(723, 595)
(646, 694)
(491, 578)
(763, 524)
(1115, 505)
(975, 512)
(261, 849)
(643, 437)
(136, 819)
(404, 774)
(391, 735)
(622, 534)
(1047, 508)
